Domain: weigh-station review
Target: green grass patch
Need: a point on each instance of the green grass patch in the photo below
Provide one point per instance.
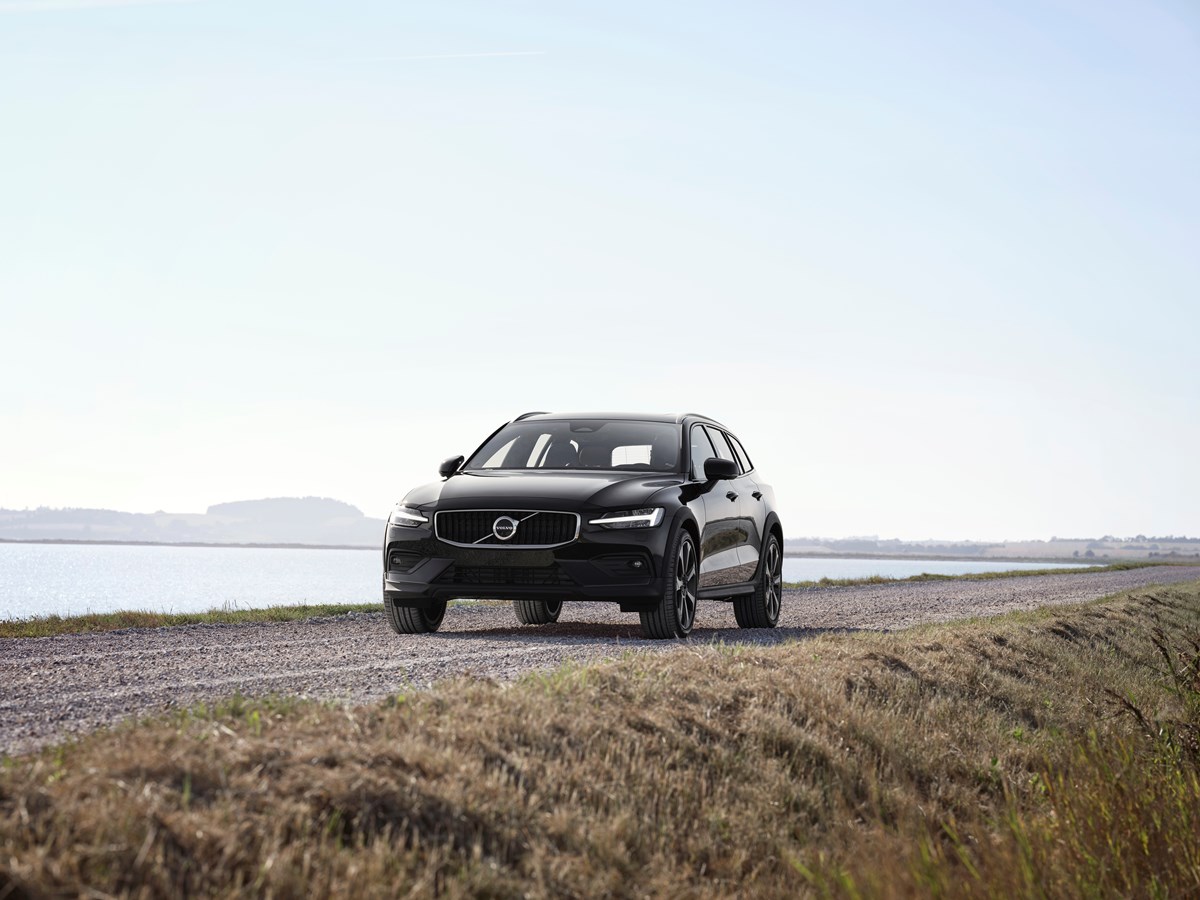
(970, 576)
(46, 626)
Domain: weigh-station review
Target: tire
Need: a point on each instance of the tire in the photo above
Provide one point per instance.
(537, 612)
(761, 609)
(676, 612)
(411, 620)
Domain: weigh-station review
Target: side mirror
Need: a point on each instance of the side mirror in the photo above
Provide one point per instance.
(450, 466)
(716, 469)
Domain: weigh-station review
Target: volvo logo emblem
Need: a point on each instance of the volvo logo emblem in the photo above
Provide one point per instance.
(504, 528)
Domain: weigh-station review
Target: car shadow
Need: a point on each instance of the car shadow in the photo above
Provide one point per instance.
(592, 633)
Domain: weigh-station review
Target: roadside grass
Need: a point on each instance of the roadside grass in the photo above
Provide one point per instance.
(970, 576)
(48, 626)
(1047, 753)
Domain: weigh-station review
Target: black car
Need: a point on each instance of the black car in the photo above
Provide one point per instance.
(651, 512)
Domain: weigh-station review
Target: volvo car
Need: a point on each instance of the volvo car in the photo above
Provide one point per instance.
(651, 512)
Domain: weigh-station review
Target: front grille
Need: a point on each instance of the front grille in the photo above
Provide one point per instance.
(504, 575)
(474, 527)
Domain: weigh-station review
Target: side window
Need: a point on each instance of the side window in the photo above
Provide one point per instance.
(538, 454)
(702, 450)
(721, 445)
(743, 457)
(631, 455)
(496, 460)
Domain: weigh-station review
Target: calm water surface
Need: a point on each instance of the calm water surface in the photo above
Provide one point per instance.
(68, 579)
(815, 568)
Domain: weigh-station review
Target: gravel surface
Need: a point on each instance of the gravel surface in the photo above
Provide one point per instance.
(52, 687)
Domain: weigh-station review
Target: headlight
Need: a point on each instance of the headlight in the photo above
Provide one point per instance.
(406, 516)
(631, 518)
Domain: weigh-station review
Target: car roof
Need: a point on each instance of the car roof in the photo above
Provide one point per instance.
(671, 418)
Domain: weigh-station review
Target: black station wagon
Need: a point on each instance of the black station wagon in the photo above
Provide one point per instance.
(653, 512)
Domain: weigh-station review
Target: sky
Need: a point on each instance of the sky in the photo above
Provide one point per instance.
(936, 263)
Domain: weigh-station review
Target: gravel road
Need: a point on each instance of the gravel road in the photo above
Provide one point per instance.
(52, 687)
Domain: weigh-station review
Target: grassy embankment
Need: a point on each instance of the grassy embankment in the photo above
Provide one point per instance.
(1053, 753)
(970, 576)
(47, 626)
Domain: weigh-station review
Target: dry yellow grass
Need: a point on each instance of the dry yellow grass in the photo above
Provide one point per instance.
(949, 759)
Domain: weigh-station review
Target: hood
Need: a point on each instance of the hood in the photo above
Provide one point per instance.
(542, 490)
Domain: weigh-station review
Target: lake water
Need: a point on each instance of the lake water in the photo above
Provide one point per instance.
(68, 579)
(816, 568)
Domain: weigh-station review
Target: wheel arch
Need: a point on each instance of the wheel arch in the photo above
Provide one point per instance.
(774, 527)
(685, 518)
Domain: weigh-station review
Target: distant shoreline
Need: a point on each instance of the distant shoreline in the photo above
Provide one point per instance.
(932, 557)
(271, 546)
(936, 557)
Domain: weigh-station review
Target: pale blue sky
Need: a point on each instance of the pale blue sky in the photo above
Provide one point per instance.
(935, 262)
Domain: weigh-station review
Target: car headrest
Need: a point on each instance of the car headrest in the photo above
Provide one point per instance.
(595, 457)
(664, 456)
(560, 455)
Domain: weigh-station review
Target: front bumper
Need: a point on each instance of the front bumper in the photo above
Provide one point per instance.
(623, 566)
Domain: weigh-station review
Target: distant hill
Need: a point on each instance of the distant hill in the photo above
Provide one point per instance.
(280, 520)
(312, 508)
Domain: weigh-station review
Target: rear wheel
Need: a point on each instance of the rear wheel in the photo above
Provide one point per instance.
(537, 612)
(414, 620)
(761, 609)
(676, 612)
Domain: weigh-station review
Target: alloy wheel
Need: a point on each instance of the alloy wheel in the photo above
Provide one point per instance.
(686, 578)
(774, 576)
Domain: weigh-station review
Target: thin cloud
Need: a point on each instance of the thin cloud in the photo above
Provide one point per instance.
(13, 6)
(443, 56)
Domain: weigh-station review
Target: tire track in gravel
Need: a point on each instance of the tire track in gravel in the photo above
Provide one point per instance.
(54, 687)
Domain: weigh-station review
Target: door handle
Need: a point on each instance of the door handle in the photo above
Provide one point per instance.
(757, 495)
(732, 495)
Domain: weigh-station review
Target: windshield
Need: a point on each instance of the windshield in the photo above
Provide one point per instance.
(582, 444)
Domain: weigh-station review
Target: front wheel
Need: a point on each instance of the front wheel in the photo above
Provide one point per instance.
(761, 609)
(414, 620)
(676, 612)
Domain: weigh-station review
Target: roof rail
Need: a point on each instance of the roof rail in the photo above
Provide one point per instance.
(536, 412)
